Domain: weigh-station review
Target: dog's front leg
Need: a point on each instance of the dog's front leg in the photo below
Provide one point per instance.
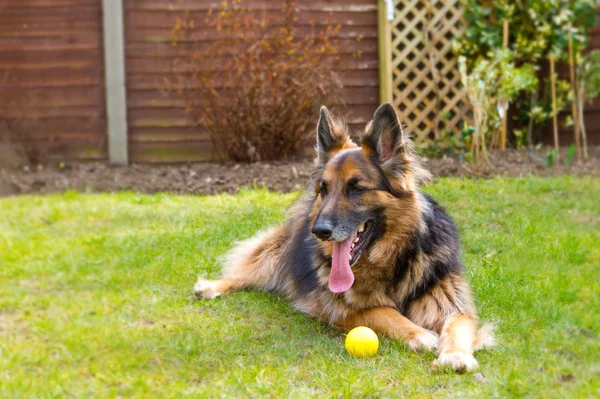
(390, 323)
(457, 343)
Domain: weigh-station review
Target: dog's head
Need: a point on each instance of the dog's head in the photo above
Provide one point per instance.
(365, 195)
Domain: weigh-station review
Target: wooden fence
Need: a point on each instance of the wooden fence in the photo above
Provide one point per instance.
(423, 75)
(159, 129)
(52, 73)
(419, 71)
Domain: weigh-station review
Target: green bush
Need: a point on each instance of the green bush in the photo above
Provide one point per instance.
(538, 29)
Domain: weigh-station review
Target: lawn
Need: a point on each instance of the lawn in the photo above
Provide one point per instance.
(96, 299)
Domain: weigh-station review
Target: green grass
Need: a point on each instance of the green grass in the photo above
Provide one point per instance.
(96, 300)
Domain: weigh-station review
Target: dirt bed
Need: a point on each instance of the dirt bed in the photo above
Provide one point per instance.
(211, 178)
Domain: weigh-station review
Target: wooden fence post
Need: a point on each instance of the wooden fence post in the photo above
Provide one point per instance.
(114, 69)
(384, 36)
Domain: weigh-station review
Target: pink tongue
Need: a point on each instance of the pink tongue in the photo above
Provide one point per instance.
(341, 277)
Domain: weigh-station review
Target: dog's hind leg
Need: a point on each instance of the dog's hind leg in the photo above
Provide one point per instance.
(252, 263)
(210, 289)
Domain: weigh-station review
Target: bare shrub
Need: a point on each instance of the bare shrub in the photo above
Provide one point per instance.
(257, 89)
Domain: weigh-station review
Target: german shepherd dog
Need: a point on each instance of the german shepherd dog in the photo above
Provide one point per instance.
(365, 247)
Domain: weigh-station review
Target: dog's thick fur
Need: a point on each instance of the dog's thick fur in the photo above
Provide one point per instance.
(409, 283)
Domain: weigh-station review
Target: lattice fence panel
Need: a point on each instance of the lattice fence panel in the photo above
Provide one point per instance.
(426, 84)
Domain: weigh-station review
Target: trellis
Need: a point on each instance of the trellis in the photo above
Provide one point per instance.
(419, 72)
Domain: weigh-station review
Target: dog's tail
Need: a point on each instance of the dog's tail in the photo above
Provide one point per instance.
(484, 337)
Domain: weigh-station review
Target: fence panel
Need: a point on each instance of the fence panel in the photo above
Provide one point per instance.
(52, 78)
(159, 130)
(426, 84)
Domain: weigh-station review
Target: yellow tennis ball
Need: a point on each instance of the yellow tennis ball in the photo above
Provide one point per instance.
(362, 342)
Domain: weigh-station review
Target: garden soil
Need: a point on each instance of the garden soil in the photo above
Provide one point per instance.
(212, 178)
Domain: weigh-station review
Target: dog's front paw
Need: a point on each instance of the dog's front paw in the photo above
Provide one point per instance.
(457, 361)
(206, 289)
(424, 340)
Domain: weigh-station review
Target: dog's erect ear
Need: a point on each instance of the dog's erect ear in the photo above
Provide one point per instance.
(331, 135)
(385, 123)
(325, 138)
(385, 140)
(384, 126)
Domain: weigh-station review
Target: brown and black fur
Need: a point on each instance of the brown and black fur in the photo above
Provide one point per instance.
(409, 282)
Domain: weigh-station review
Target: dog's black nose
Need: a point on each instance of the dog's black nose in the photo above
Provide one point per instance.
(322, 229)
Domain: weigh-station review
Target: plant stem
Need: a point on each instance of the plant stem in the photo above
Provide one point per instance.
(582, 122)
(574, 90)
(530, 124)
(554, 112)
(504, 102)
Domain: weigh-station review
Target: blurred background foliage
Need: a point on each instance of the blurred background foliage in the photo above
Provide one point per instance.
(519, 72)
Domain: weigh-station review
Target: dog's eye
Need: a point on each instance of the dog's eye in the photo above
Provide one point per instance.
(357, 189)
(354, 187)
(323, 189)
